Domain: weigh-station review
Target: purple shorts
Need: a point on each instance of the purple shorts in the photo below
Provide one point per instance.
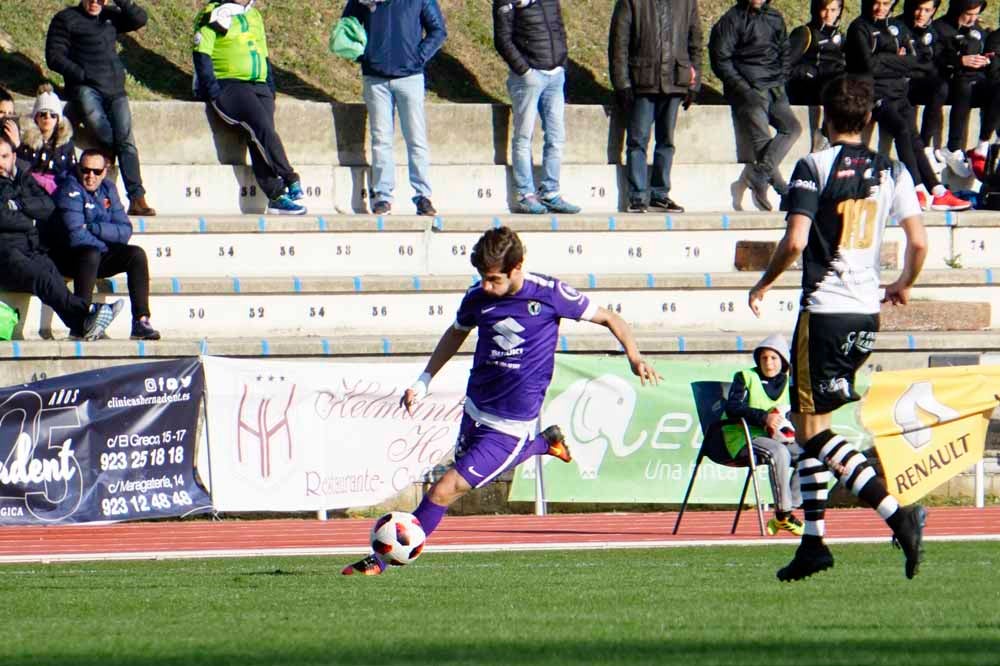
(482, 453)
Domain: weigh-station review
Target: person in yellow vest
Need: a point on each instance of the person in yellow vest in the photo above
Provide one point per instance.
(759, 395)
(233, 75)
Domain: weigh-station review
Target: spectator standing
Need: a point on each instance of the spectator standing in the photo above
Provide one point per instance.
(655, 53)
(89, 239)
(876, 49)
(531, 38)
(928, 87)
(48, 143)
(403, 35)
(23, 205)
(233, 74)
(749, 52)
(817, 57)
(81, 44)
(968, 61)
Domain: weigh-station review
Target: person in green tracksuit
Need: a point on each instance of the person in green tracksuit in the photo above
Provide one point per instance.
(233, 75)
(759, 395)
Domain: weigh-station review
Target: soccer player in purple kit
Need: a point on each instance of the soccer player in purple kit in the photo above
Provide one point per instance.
(517, 314)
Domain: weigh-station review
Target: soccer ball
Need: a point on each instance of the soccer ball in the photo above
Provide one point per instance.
(398, 538)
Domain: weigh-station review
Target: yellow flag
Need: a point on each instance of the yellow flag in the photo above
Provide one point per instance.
(929, 424)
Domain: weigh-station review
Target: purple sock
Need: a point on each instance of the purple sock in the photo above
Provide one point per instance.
(429, 514)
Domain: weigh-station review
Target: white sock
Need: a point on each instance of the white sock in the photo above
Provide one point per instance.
(939, 190)
(921, 188)
(982, 148)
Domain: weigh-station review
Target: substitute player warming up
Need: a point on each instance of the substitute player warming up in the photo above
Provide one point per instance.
(838, 203)
(517, 315)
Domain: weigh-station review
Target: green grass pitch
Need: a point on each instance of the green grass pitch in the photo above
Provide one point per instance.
(699, 606)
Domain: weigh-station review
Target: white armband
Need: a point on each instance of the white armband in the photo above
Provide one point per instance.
(421, 386)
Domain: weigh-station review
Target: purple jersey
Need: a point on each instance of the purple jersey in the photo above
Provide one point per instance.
(515, 354)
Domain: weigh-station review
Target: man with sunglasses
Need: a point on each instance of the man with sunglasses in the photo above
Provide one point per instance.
(89, 239)
(26, 266)
(81, 45)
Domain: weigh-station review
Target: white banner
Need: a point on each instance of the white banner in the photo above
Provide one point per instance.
(289, 436)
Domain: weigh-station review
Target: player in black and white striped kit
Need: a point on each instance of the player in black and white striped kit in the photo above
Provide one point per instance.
(838, 202)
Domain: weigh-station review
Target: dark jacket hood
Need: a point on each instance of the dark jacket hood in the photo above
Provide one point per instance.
(745, 4)
(958, 7)
(910, 6)
(816, 7)
(868, 9)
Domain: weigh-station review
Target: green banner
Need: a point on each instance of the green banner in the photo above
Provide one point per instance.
(634, 443)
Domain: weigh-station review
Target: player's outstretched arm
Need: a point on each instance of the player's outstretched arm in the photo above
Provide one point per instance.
(450, 342)
(898, 293)
(623, 333)
(788, 250)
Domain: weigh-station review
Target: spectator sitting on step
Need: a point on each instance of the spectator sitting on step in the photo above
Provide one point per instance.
(969, 56)
(82, 45)
(26, 266)
(47, 145)
(759, 395)
(233, 75)
(749, 52)
(8, 118)
(403, 36)
(89, 239)
(817, 57)
(876, 49)
(928, 85)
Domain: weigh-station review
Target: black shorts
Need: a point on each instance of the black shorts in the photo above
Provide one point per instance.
(827, 351)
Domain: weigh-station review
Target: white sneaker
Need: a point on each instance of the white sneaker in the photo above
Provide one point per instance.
(936, 165)
(956, 161)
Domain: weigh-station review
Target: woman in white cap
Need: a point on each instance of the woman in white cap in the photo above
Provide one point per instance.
(48, 144)
(759, 395)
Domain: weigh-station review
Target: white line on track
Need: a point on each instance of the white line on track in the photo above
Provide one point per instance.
(463, 548)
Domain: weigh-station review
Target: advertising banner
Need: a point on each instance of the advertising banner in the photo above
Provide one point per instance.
(929, 424)
(105, 445)
(637, 444)
(287, 436)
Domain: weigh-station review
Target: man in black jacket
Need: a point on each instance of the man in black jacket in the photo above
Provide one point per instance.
(968, 60)
(654, 52)
(817, 57)
(876, 49)
(81, 45)
(26, 267)
(531, 38)
(749, 52)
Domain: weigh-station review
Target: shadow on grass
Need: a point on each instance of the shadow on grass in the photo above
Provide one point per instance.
(656, 650)
(582, 86)
(20, 74)
(157, 73)
(291, 84)
(452, 81)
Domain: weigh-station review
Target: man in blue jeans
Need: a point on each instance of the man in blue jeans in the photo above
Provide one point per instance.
(531, 38)
(654, 50)
(81, 45)
(403, 35)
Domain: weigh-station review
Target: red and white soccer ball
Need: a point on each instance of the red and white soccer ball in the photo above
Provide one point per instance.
(398, 538)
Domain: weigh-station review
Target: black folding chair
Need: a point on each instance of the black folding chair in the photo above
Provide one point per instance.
(710, 401)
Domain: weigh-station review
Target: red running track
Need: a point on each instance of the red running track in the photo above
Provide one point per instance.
(231, 538)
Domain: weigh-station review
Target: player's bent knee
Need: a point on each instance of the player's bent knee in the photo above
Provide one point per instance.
(448, 488)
